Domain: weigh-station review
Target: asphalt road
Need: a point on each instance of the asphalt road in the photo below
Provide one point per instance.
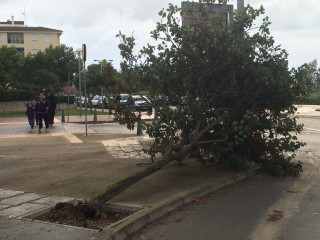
(261, 208)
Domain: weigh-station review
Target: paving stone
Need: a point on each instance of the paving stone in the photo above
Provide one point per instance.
(9, 193)
(27, 197)
(76, 128)
(21, 209)
(52, 200)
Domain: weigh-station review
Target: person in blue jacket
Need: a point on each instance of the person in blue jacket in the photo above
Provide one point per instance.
(42, 108)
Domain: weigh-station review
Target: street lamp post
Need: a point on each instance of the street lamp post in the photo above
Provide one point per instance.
(79, 52)
(102, 100)
(69, 73)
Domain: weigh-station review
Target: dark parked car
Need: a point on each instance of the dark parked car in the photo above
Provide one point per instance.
(142, 103)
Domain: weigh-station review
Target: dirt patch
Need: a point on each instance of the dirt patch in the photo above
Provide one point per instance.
(80, 214)
(275, 216)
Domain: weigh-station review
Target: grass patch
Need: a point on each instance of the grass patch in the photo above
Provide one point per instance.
(13, 115)
(72, 112)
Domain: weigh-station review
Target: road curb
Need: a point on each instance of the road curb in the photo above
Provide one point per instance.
(133, 223)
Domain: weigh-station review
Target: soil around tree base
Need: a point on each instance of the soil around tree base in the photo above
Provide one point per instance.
(80, 214)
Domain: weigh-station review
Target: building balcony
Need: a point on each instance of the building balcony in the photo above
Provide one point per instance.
(15, 38)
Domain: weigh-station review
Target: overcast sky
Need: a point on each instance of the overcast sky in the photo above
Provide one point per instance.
(295, 24)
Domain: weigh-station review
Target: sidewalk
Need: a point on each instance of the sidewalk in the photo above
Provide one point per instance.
(308, 110)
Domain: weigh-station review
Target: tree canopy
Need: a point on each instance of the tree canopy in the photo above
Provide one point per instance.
(22, 78)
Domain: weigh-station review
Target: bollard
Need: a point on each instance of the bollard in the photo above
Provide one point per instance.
(139, 127)
(95, 120)
(62, 116)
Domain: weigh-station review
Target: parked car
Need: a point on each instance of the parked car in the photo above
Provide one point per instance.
(77, 101)
(124, 98)
(142, 103)
(97, 101)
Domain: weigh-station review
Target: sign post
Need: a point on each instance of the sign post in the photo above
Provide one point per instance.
(84, 56)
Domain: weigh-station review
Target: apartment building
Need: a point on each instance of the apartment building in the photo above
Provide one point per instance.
(27, 39)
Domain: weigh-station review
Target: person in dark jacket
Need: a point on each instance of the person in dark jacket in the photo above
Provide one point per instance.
(42, 108)
(52, 108)
(34, 102)
(130, 101)
(30, 112)
(118, 98)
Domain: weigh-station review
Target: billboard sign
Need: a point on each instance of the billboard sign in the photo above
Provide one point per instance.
(212, 12)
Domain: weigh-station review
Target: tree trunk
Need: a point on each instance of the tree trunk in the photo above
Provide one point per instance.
(113, 190)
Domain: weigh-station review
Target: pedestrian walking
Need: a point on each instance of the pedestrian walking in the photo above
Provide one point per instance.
(118, 98)
(130, 101)
(42, 108)
(52, 108)
(30, 112)
(34, 108)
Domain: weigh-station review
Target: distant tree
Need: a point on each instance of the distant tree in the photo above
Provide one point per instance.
(233, 94)
(94, 77)
(307, 78)
(57, 61)
(10, 66)
(102, 75)
(48, 70)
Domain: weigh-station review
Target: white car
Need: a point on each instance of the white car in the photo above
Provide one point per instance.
(97, 101)
(124, 98)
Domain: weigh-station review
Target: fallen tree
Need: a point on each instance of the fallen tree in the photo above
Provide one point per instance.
(219, 92)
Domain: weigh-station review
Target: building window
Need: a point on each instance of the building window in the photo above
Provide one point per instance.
(47, 37)
(34, 37)
(0, 37)
(15, 39)
(34, 51)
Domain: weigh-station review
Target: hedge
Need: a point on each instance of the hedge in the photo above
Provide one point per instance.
(64, 99)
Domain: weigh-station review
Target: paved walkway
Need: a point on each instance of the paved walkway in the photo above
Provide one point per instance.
(127, 147)
(17, 203)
